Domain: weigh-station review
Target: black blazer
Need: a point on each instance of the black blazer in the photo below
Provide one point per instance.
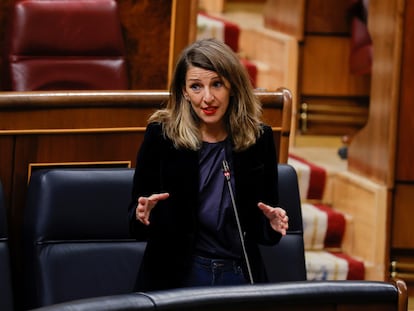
(170, 236)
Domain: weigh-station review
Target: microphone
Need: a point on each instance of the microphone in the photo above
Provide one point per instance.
(226, 172)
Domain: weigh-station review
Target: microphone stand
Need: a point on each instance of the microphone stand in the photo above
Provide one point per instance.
(226, 171)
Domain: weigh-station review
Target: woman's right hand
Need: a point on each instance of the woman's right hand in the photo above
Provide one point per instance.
(146, 204)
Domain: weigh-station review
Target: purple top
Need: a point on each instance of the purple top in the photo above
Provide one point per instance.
(217, 235)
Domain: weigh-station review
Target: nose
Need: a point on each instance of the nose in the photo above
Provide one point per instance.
(208, 96)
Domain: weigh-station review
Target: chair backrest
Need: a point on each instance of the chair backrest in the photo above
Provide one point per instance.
(76, 235)
(305, 295)
(285, 261)
(65, 45)
(6, 291)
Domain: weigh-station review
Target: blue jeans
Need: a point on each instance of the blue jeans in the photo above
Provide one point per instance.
(210, 272)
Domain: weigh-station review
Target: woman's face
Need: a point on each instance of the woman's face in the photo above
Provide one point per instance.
(209, 95)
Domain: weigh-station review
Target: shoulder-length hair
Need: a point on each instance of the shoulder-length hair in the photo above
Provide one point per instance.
(243, 117)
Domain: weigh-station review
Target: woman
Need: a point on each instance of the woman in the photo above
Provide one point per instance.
(181, 202)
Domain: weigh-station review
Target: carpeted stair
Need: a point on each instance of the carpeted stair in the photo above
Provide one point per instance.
(324, 227)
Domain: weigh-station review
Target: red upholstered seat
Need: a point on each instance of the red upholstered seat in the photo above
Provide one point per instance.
(65, 45)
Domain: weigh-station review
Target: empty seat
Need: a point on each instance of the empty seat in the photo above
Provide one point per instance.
(6, 292)
(65, 45)
(76, 235)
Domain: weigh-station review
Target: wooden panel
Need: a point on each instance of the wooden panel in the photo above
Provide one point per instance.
(325, 68)
(300, 18)
(63, 148)
(33, 111)
(403, 215)
(405, 163)
(183, 29)
(327, 17)
(402, 247)
(332, 115)
(212, 6)
(372, 150)
(220, 6)
(6, 165)
(285, 16)
(146, 26)
(56, 119)
(367, 208)
(263, 46)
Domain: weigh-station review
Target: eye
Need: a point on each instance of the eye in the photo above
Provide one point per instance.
(195, 87)
(218, 84)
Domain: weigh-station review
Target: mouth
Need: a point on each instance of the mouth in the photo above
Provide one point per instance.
(209, 110)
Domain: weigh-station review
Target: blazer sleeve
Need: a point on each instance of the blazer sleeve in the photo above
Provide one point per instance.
(271, 191)
(146, 176)
(257, 181)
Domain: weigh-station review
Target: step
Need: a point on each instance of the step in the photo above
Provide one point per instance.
(312, 178)
(323, 226)
(322, 161)
(329, 265)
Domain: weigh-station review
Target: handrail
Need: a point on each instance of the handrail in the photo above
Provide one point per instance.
(65, 99)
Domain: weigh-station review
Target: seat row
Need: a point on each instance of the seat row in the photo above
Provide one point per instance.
(76, 242)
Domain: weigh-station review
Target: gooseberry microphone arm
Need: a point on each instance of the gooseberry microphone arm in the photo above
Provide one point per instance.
(226, 172)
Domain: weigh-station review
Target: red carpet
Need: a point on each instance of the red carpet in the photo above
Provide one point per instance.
(324, 228)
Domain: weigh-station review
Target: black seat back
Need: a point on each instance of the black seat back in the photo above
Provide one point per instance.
(76, 235)
(286, 261)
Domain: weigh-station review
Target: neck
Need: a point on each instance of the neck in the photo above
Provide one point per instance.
(213, 135)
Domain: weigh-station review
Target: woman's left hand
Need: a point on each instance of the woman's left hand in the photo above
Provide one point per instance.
(277, 217)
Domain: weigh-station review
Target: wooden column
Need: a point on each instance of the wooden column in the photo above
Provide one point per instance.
(372, 151)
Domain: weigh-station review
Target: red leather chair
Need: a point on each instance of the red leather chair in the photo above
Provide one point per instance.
(65, 45)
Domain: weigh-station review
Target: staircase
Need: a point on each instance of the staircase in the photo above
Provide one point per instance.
(324, 226)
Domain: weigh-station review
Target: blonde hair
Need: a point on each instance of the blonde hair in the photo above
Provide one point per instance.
(243, 117)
